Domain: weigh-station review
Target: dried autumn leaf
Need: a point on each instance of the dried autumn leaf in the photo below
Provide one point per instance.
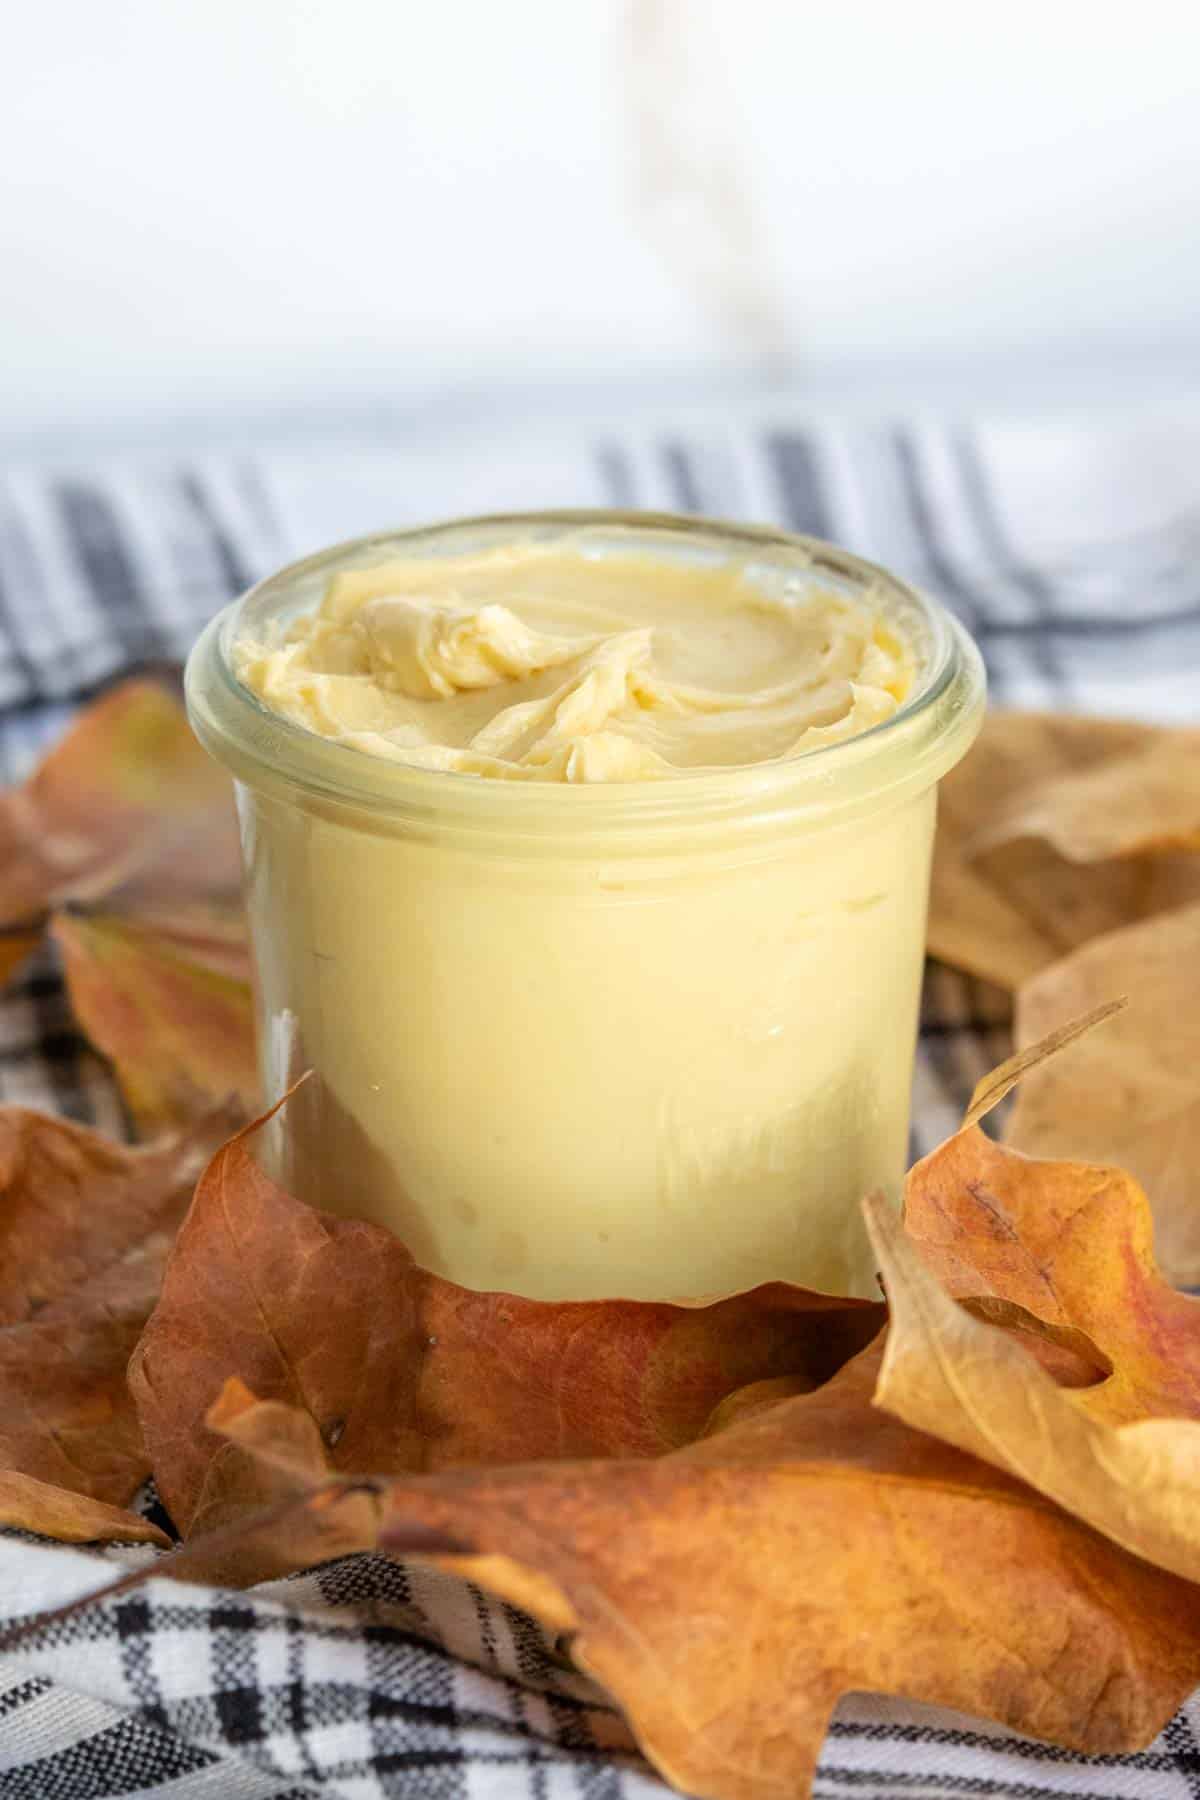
(283, 1440)
(1071, 1244)
(84, 1232)
(69, 1437)
(265, 1454)
(211, 932)
(54, 1512)
(1144, 801)
(1005, 910)
(126, 800)
(402, 1370)
(948, 1373)
(16, 947)
(728, 1593)
(1065, 1351)
(76, 1207)
(992, 1088)
(964, 1583)
(165, 1009)
(1131, 1095)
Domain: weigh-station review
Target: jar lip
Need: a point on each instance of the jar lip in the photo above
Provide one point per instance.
(927, 734)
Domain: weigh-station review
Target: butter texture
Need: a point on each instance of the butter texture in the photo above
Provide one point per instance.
(551, 662)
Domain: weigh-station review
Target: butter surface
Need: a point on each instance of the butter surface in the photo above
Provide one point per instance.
(553, 662)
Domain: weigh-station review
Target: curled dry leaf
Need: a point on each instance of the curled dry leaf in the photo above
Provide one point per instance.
(1008, 900)
(84, 1232)
(1065, 1351)
(992, 1088)
(1144, 801)
(646, 1479)
(399, 1369)
(970, 1384)
(27, 1504)
(16, 947)
(1071, 1244)
(76, 1207)
(71, 1453)
(127, 800)
(209, 932)
(269, 1454)
(266, 1453)
(172, 1010)
(728, 1593)
(1131, 1095)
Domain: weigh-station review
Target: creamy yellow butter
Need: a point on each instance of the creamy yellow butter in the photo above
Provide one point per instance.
(542, 662)
(607, 984)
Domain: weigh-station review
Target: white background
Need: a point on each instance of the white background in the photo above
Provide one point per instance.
(224, 210)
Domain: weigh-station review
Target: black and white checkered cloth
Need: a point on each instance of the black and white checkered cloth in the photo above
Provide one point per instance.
(1072, 552)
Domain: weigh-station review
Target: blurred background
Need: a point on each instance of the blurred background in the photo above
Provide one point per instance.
(923, 279)
(223, 219)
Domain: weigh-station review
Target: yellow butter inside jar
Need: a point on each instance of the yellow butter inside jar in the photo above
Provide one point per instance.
(553, 661)
(587, 859)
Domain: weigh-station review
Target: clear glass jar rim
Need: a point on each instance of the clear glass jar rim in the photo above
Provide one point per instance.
(908, 751)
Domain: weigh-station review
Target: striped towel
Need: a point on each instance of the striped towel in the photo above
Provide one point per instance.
(1073, 554)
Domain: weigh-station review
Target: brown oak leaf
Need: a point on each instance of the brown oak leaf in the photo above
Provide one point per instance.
(1131, 1095)
(729, 1592)
(951, 1374)
(27, 1504)
(125, 801)
(1015, 884)
(399, 1369)
(76, 1207)
(266, 1454)
(85, 1227)
(16, 947)
(1145, 800)
(1072, 1244)
(170, 1008)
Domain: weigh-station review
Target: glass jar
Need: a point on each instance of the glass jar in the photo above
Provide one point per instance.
(651, 1039)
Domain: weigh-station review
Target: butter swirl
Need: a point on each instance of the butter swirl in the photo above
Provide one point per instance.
(549, 662)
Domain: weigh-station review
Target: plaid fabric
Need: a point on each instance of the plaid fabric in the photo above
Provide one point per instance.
(1071, 554)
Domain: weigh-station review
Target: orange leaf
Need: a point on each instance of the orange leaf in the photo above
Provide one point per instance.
(53, 1512)
(1131, 1095)
(75, 1207)
(265, 1453)
(84, 1233)
(1073, 1244)
(127, 800)
(992, 1088)
(728, 1593)
(400, 1369)
(1006, 903)
(64, 1414)
(1142, 801)
(950, 1374)
(15, 947)
(167, 1012)
(210, 932)
(645, 1478)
